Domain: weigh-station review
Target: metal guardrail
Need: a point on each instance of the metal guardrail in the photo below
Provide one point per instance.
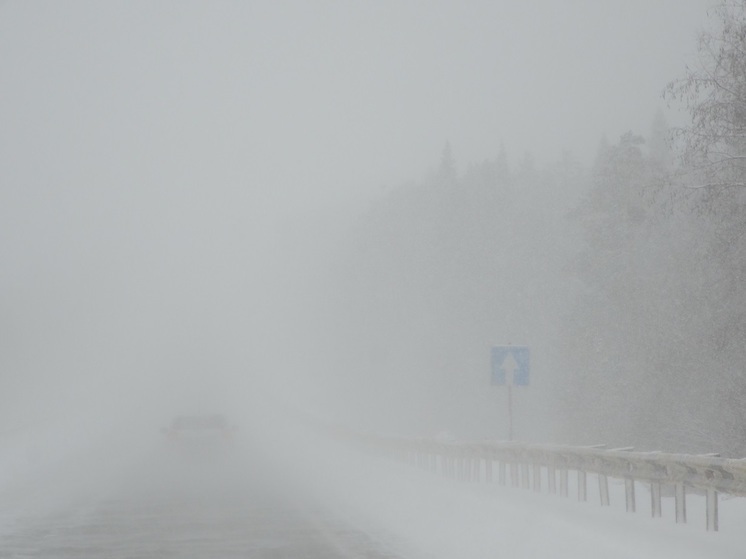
(529, 464)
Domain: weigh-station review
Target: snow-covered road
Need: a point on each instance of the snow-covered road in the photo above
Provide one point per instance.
(309, 498)
(219, 506)
(190, 526)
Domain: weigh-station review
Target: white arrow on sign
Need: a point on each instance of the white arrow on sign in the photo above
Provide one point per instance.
(510, 365)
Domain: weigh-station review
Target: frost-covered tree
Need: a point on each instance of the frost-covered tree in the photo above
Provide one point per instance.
(659, 143)
(447, 169)
(714, 91)
(713, 149)
(436, 272)
(604, 348)
(657, 338)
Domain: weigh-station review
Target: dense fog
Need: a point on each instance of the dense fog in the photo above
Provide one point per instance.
(302, 212)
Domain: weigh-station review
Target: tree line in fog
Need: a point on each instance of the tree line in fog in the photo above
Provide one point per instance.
(628, 275)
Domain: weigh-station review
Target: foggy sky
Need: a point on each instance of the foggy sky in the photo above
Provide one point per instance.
(319, 98)
(155, 154)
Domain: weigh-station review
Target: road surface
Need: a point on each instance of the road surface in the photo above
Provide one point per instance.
(314, 500)
(188, 507)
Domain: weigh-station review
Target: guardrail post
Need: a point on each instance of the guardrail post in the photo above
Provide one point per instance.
(655, 500)
(711, 497)
(603, 489)
(629, 484)
(708, 472)
(712, 510)
(629, 494)
(680, 498)
(563, 482)
(582, 487)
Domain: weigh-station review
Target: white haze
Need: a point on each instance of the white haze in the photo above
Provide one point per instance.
(178, 181)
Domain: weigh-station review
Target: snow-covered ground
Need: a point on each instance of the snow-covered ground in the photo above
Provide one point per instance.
(421, 515)
(407, 512)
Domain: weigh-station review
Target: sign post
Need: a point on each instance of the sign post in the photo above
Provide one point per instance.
(510, 366)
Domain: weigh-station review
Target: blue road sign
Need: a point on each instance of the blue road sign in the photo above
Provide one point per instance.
(510, 365)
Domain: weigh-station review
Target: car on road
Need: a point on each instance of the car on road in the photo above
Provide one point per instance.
(196, 433)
